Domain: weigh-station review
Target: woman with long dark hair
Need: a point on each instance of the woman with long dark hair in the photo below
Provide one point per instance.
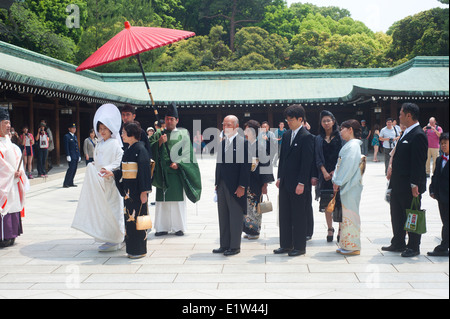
(328, 143)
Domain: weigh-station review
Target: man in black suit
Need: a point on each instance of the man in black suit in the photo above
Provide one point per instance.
(439, 191)
(73, 155)
(408, 179)
(232, 179)
(294, 181)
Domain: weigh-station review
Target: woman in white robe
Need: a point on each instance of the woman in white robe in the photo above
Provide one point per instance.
(100, 208)
(347, 179)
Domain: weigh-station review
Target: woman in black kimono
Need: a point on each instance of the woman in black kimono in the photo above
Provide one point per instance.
(260, 176)
(133, 180)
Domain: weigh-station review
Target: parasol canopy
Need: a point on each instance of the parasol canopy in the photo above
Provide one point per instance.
(132, 41)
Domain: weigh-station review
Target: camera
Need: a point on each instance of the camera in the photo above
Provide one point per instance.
(428, 127)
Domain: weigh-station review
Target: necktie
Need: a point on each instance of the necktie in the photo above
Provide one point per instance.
(227, 144)
(444, 161)
(292, 137)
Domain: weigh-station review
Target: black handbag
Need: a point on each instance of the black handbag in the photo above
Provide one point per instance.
(326, 195)
(335, 207)
(337, 212)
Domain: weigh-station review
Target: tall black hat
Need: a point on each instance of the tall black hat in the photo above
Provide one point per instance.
(172, 110)
(4, 114)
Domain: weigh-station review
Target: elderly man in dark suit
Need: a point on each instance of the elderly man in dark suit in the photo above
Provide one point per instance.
(439, 191)
(294, 181)
(408, 179)
(232, 179)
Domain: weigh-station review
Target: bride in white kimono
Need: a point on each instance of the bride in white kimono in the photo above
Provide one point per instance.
(100, 208)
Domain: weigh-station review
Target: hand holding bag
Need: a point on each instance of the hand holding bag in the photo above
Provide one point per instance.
(143, 222)
(264, 207)
(331, 205)
(335, 207)
(415, 218)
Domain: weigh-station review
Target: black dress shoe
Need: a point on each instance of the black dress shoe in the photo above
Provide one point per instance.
(393, 248)
(220, 250)
(161, 233)
(410, 253)
(282, 251)
(179, 233)
(73, 185)
(231, 252)
(296, 252)
(438, 253)
(66, 186)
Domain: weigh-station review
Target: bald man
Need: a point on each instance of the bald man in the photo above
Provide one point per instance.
(232, 179)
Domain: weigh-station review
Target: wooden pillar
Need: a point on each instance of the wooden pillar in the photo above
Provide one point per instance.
(394, 112)
(219, 119)
(56, 135)
(30, 114)
(78, 123)
(270, 115)
(382, 114)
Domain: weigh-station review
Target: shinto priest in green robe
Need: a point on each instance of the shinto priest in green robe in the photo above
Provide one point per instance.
(176, 175)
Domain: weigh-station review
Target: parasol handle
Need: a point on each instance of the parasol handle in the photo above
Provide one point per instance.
(146, 84)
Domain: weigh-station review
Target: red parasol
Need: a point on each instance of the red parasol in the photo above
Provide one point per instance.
(133, 41)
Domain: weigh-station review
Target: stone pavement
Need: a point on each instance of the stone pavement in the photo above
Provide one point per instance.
(52, 260)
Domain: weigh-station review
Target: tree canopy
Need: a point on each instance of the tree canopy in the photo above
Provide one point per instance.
(231, 34)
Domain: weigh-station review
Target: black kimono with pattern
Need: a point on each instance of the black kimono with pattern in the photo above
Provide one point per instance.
(131, 189)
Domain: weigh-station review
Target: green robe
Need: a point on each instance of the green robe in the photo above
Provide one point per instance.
(170, 183)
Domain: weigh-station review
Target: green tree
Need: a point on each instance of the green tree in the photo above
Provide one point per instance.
(200, 53)
(307, 49)
(279, 19)
(426, 33)
(250, 62)
(354, 51)
(272, 47)
(22, 27)
(235, 12)
(53, 15)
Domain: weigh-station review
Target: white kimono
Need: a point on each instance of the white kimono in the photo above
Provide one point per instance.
(100, 208)
(12, 190)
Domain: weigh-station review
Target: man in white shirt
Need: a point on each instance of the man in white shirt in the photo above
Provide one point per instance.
(389, 135)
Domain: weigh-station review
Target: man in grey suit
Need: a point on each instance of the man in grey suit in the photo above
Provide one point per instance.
(232, 179)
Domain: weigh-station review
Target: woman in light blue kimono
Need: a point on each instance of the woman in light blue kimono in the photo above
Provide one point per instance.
(347, 179)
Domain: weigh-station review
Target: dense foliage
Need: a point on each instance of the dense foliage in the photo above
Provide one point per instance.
(231, 34)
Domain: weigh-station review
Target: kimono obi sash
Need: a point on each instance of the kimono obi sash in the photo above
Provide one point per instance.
(129, 170)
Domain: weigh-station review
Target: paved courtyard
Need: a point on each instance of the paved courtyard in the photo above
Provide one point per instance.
(52, 260)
